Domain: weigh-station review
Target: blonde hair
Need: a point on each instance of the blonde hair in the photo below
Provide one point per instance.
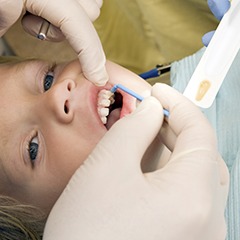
(19, 221)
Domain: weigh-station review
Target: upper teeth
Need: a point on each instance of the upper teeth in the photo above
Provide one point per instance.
(105, 99)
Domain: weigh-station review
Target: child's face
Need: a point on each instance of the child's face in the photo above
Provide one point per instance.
(47, 129)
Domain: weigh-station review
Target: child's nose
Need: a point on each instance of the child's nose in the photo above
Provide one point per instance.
(58, 100)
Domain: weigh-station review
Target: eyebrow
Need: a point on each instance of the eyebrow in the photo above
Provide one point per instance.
(9, 167)
(4, 128)
(3, 156)
(5, 180)
(32, 70)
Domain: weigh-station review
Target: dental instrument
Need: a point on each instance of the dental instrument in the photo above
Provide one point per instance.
(155, 72)
(216, 60)
(127, 90)
(132, 93)
(42, 35)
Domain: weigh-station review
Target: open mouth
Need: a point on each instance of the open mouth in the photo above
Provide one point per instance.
(109, 107)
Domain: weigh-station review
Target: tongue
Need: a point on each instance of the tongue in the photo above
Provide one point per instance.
(113, 117)
(127, 106)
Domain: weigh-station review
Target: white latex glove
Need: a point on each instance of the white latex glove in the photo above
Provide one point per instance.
(110, 198)
(71, 18)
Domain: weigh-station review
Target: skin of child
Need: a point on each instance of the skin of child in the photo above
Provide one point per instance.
(63, 121)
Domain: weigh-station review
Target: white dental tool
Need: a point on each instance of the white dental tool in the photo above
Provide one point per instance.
(216, 60)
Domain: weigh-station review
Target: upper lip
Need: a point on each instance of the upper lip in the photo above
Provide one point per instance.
(128, 103)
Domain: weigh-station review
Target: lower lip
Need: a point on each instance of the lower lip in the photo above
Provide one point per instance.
(128, 105)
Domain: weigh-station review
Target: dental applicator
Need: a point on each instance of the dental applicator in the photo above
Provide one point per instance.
(133, 94)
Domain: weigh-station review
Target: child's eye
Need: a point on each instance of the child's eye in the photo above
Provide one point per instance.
(48, 81)
(48, 78)
(33, 148)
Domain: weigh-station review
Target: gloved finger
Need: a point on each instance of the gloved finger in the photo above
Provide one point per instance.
(207, 38)
(219, 8)
(186, 121)
(126, 142)
(10, 11)
(99, 3)
(32, 25)
(79, 31)
(91, 7)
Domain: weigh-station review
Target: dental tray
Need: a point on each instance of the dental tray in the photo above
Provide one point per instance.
(216, 60)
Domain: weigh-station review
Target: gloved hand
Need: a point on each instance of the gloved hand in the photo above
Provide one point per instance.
(70, 17)
(110, 198)
(218, 8)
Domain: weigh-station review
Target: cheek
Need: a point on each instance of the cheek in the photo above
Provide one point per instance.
(58, 170)
(71, 150)
(64, 156)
